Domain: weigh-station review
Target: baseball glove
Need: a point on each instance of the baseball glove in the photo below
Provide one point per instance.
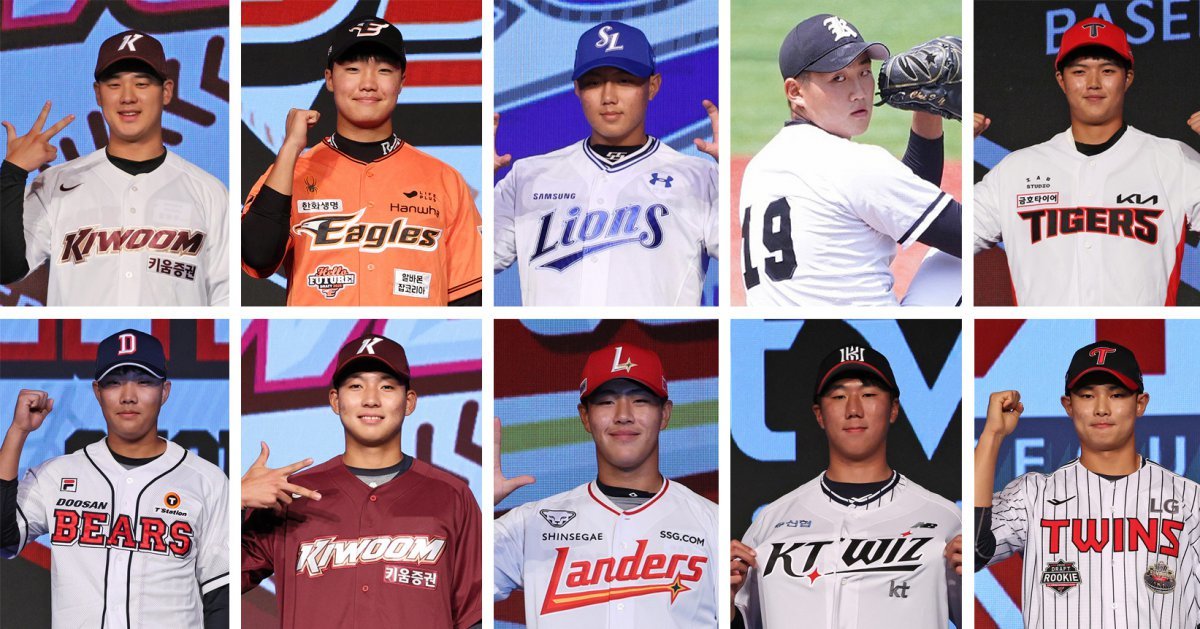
(926, 78)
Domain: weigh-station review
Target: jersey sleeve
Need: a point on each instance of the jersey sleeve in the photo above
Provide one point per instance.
(468, 565)
(212, 564)
(1010, 515)
(712, 219)
(464, 242)
(218, 272)
(505, 236)
(37, 222)
(1190, 177)
(746, 600)
(509, 554)
(886, 195)
(987, 210)
(259, 528)
(31, 505)
(953, 579)
(246, 208)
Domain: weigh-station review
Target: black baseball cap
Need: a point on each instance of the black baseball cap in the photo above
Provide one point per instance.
(824, 43)
(366, 30)
(371, 352)
(1105, 357)
(853, 359)
(131, 348)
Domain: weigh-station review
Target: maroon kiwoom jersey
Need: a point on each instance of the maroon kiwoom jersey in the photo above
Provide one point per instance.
(406, 553)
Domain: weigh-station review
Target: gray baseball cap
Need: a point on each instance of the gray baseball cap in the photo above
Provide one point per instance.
(824, 43)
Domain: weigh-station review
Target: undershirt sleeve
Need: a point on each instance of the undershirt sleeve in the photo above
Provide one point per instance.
(13, 265)
(265, 230)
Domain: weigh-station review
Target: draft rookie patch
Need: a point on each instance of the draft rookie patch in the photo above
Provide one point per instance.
(1160, 578)
(1061, 576)
(411, 283)
(330, 279)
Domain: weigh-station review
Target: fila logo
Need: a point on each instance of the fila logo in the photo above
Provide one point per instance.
(608, 40)
(1137, 198)
(127, 43)
(666, 181)
(852, 353)
(368, 345)
(68, 484)
(128, 344)
(839, 28)
(617, 365)
(1101, 353)
(369, 29)
(1094, 29)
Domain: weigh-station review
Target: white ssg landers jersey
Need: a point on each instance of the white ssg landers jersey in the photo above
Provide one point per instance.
(875, 564)
(585, 563)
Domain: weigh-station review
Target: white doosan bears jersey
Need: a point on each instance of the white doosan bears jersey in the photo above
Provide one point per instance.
(585, 232)
(821, 216)
(1105, 230)
(1101, 554)
(129, 548)
(840, 565)
(583, 562)
(115, 239)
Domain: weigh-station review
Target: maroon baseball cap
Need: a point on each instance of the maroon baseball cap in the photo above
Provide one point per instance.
(853, 359)
(132, 45)
(1105, 357)
(623, 360)
(1095, 32)
(371, 352)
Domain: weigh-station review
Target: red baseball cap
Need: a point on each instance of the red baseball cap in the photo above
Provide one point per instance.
(1095, 32)
(623, 360)
(132, 45)
(386, 353)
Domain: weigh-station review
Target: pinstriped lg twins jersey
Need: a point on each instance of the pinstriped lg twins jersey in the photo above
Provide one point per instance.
(1103, 554)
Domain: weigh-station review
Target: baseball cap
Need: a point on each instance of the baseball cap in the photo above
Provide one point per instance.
(366, 30)
(1095, 32)
(131, 348)
(824, 43)
(623, 360)
(132, 45)
(853, 359)
(387, 355)
(1105, 357)
(614, 44)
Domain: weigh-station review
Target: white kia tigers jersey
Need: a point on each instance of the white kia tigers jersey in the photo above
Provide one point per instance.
(583, 562)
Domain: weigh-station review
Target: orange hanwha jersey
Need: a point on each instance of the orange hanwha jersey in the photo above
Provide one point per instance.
(402, 230)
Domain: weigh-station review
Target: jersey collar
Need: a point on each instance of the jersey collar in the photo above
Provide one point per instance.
(101, 457)
(603, 500)
(641, 154)
(864, 501)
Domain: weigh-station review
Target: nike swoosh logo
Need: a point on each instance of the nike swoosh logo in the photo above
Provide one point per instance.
(1057, 502)
(64, 188)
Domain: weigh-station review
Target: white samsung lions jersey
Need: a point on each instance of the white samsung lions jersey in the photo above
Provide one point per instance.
(1101, 554)
(115, 239)
(129, 548)
(821, 216)
(583, 562)
(869, 564)
(585, 232)
(1106, 230)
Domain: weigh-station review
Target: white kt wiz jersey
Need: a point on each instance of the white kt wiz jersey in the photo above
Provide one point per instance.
(839, 565)
(130, 549)
(1106, 230)
(585, 232)
(585, 563)
(115, 239)
(821, 217)
(1101, 554)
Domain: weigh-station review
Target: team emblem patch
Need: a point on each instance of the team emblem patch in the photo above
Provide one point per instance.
(67, 484)
(1061, 576)
(557, 518)
(330, 279)
(172, 500)
(1160, 578)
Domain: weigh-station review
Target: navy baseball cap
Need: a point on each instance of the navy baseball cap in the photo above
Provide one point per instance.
(131, 348)
(824, 43)
(854, 359)
(614, 44)
(366, 30)
(1108, 358)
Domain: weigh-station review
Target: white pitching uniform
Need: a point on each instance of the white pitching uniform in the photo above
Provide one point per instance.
(131, 548)
(115, 239)
(1106, 230)
(1101, 554)
(585, 232)
(837, 565)
(821, 217)
(585, 563)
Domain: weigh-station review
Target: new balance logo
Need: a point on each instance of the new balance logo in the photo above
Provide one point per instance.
(1056, 501)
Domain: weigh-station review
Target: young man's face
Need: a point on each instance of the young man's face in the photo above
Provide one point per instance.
(365, 91)
(838, 102)
(856, 417)
(1104, 415)
(614, 103)
(130, 400)
(624, 419)
(372, 406)
(1095, 89)
(132, 104)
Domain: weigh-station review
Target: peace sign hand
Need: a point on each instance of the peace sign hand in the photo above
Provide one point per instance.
(267, 488)
(33, 149)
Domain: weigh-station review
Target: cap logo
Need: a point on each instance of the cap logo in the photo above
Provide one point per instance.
(608, 39)
(839, 28)
(852, 353)
(617, 365)
(1093, 29)
(127, 43)
(369, 29)
(368, 345)
(128, 344)
(1100, 353)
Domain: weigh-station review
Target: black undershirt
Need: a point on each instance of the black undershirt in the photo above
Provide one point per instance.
(1091, 150)
(365, 151)
(855, 490)
(622, 492)
(614, 154)
(136, 168)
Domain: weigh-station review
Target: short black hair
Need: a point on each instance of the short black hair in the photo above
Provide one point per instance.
(1094, 52)
(370, 50)
(342, 378)
(868, 380)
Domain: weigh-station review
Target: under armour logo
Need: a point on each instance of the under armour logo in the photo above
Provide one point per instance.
(128, 344)
(852, 353)
(127, 43)
(1100, 353)
(666, 181)
(368, 345)
(626, 366)
(369, 29)
(1093, 29)
(839, 28)
(608, 39)
(898, 590)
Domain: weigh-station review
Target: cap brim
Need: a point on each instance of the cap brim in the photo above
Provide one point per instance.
(852, 367)
(1125, 380)
(653, 388)
(352, 365)
(143, 367)
(636, 69)
(130, 57)
(841, 57)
